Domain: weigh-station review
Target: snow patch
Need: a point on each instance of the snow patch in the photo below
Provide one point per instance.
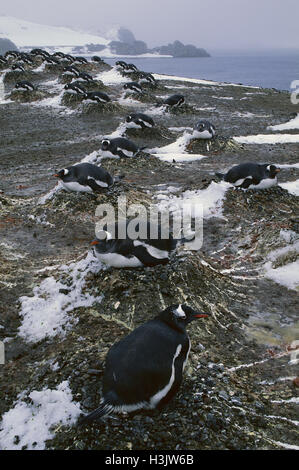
(268, 139)
(292, 187)
(287, 275)
(292, 124)
(30, 425)
(47, 313)
(210, 199)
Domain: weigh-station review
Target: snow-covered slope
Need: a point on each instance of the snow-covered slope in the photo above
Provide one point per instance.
(24, 33)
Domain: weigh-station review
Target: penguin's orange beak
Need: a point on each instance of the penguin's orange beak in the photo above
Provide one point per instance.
(277, 170)
(201, 315)
(56, 175)
(95, 242)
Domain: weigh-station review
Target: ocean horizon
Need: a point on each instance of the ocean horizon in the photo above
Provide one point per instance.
(264, 69)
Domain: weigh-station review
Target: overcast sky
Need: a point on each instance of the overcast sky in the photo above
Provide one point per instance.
(212, 24)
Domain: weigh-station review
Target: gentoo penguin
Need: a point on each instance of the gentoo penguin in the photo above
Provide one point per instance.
(59, 54)
(133, 86)
(68, 59)
(11, 55)
(52, 60)
(204, 130)
(144, 370)
(36, 51)
(80, 60)
(85, 178)
(75, 88)
(174, 100)
(131, 68)
(24, 58)
(96, 58)
(140, 120)
(18, 68)
(147, 78)
(96, 97)
(122, 251)
(24, 85)
(84, 77)
(72, 71)
(121, 146)
(251, 176)
(122, 64)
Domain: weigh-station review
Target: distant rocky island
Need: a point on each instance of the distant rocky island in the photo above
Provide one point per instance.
(128, 45)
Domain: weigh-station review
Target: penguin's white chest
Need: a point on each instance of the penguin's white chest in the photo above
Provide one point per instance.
(264, 184)
(155, 400)
(203, 135)
(74, 186)
(116, 260)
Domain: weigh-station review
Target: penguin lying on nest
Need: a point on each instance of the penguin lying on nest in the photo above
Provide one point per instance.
(121, 147)
(144, 370)
(147, 246)
(204, 130)
(251, 176)
(86, 178)
(140, 120)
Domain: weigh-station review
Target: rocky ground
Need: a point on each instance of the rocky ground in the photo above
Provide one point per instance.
(240, 389)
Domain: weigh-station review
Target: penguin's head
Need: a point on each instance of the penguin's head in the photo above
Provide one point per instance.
(101, 244)
(201, 126)
(105, 144)
(180, 315)
(273, 170)
(129, 118)
(62, 173)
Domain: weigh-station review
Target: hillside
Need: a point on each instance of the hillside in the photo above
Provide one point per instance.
(26, 34)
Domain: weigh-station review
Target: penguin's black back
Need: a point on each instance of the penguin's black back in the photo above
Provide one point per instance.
(124, 143)
(144, 117)
(84, 170)
(140, 365)
(174, 99)
(255, 170)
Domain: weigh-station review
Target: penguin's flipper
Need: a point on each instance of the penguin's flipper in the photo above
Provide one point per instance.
(103, 410)
(246, 183)
(94, 186)
(143, 255)
(121, 154)
(139, 150)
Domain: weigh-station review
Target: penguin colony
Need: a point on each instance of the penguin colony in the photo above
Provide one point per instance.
(144, 369)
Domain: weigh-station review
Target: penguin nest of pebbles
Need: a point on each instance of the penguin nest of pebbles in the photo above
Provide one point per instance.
(102, 108)
(151, 132)
(142, 97)
(94, 67)
(71, 99)
(96, 85)
(182, 109)
(13, 77)
(213, 146)
(54, 68)
(29, 96)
